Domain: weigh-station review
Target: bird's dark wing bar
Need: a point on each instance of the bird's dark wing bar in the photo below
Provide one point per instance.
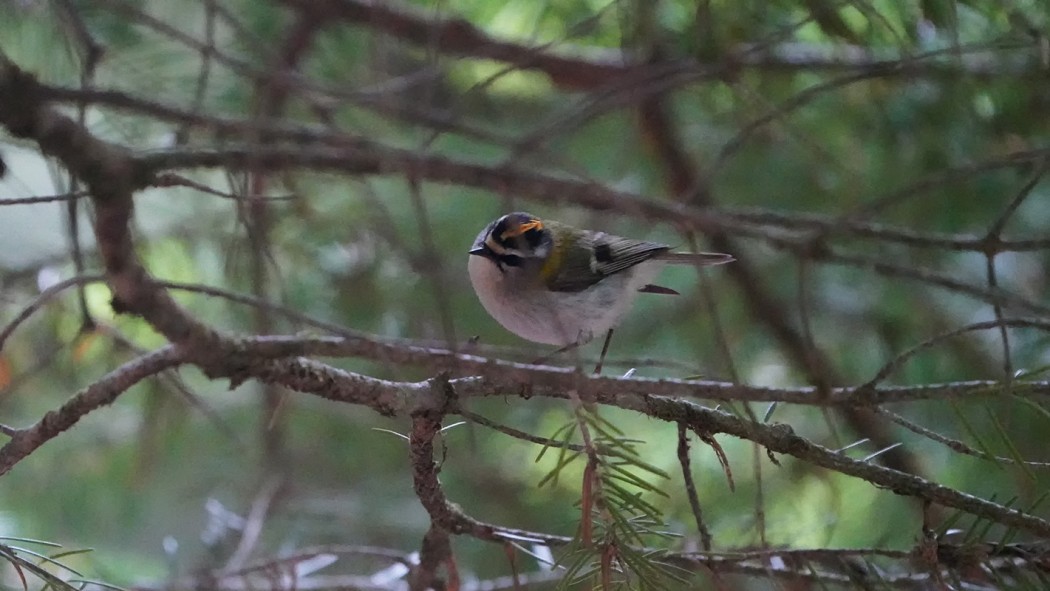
(613, 254)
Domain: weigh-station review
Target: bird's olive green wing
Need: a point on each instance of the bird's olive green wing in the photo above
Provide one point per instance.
(613, 254)
(594, 257)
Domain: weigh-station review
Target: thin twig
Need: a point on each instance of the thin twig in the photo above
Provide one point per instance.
(690, 488)
(898, 361)
(101, 392)
(993, 236)
(953, 444)
(41, 300)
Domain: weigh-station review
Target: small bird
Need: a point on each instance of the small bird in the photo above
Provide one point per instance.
(552, 283)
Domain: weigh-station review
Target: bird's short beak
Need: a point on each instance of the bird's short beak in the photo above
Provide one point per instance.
(481, 251)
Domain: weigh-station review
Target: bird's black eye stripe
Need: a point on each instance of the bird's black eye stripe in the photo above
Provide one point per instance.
(510, 260)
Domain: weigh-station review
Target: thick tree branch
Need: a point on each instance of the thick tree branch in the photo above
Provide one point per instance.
(370, 158)
(111, 176)
(457, 36)
(438, 396)
(508, 374)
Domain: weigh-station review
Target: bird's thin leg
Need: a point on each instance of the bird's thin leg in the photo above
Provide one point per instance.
(558, 351)
(605, 349)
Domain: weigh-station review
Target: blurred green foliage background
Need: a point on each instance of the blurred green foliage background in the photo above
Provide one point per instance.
(800, 107)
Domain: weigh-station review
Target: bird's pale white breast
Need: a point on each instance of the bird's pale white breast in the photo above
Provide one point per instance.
(552, 317)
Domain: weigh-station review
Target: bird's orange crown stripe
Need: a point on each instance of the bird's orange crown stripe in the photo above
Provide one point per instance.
(521, 229)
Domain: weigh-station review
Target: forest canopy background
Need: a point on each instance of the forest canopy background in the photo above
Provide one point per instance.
(213, 209)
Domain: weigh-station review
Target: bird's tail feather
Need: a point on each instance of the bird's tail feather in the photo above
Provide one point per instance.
(699, 259)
